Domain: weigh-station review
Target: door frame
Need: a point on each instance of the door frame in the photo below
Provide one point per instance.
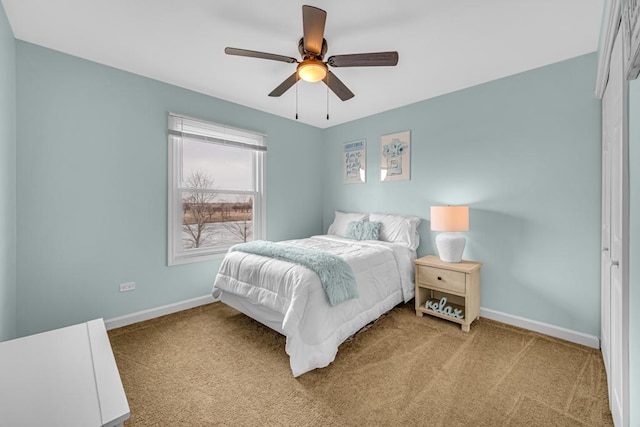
(612, 28)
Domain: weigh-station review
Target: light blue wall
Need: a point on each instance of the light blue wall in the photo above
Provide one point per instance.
(524, 153)
(92, 188)
(7, 179)
(634, 252)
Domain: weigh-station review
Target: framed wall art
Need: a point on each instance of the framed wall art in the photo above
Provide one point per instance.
(354, 162)
(395, 157)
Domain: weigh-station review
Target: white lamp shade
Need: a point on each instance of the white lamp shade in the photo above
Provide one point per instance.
(450, 218)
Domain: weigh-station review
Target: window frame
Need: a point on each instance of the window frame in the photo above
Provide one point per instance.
(177, 256)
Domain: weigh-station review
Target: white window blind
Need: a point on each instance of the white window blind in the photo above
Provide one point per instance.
(187, 127)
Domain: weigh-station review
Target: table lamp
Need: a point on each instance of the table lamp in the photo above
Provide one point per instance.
(451, 220)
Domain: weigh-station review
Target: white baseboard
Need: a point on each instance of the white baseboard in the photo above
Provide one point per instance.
(152, 313)
(509, 319)
(543, 328)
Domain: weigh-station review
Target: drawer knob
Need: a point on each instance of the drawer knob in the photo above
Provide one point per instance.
(439, 278)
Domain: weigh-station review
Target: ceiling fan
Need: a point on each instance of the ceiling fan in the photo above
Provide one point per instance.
(312, 47)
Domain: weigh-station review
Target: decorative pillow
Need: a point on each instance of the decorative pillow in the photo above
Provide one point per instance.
(363, 230)
(371, 230)
(342, 219)
(354, 230)
(398, 229)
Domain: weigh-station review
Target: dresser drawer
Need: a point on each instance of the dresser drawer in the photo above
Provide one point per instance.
(447, 280)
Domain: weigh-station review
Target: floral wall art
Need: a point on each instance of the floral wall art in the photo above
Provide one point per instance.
(395, 157)
(354, 162)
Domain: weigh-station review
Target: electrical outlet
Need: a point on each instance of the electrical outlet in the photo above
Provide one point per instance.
(126, 287)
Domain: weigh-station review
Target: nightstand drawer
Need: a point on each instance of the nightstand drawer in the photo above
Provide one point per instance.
(447, 280)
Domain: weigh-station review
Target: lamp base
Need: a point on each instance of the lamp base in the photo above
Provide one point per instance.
(450, 246)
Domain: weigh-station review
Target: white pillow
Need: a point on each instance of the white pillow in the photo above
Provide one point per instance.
(342, 219)
(399, 229)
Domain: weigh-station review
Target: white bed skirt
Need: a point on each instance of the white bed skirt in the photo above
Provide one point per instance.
(266, 316)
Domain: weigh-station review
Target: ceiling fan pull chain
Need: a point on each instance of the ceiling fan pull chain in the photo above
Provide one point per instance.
(296, 102)
(327, 97)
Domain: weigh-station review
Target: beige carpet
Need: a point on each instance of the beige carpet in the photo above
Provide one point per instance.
(214, 366)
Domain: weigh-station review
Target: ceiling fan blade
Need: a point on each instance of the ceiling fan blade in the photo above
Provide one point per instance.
(375, 59)
(336, 85)
(285, 85)
(313, 20)
(261, 55)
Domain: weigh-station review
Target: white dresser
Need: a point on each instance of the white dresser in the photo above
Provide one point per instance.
(65, 377)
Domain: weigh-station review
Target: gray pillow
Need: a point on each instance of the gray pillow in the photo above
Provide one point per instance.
(363, 230)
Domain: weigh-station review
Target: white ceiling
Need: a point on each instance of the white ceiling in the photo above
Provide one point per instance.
(443, 45)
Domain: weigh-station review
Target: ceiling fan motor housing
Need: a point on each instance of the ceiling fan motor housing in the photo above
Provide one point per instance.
(305, 53)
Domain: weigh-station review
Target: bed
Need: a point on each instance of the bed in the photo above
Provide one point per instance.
(290, 298)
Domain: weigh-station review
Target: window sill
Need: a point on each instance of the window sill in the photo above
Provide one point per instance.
(189, 259)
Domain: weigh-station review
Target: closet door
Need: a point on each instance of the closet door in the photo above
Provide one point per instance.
(605, 262)
(615, 227)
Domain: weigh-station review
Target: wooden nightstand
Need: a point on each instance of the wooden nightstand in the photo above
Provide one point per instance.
(455, 284)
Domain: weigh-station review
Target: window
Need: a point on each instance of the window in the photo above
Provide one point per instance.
(216, 189)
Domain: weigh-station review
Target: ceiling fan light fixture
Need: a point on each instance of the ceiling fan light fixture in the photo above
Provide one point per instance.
(312, 70)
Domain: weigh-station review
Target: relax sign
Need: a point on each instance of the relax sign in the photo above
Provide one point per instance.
(442, 307)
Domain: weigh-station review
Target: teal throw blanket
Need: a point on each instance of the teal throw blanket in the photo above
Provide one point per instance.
(335, 274)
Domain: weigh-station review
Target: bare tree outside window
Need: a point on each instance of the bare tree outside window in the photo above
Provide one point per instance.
(242, 227)
(214, 219)
(198, 208)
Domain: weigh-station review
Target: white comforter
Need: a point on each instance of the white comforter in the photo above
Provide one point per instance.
(314, 329)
